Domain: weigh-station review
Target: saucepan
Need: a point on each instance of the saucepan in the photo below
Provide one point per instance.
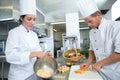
(45, 67)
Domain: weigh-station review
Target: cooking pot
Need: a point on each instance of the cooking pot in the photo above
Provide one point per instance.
(45, 67)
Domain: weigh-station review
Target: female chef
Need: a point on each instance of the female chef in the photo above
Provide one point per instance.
(104, 41)
(22, 45)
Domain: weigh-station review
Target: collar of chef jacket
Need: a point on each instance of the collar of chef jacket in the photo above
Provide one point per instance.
(24, 29)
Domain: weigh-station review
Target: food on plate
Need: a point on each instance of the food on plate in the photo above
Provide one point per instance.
(81, 70)
(63, 69)
(44, 73)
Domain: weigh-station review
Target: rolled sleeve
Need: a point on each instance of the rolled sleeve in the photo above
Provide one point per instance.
(90, 47)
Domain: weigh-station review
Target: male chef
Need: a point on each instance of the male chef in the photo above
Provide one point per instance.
(104, 41)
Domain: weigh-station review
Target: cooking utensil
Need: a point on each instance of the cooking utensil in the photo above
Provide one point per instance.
(45, 67)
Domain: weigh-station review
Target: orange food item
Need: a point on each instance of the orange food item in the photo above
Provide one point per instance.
(81, 70)
(84, 69)
(78, 71)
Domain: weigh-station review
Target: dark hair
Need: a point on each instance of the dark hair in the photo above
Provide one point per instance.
(22, 16)
(95, 14)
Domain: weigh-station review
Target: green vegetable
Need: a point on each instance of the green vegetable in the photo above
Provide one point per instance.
(74, 54)
(67, 56)
(84, 51)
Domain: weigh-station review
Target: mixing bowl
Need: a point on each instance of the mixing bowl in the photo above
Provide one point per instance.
(45, 67)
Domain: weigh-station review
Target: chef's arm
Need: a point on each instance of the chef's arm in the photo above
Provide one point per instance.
(91, 57)
(113, 58)
(37, 54)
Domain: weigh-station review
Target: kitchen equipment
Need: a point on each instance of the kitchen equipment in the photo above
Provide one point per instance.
(45, 67)
(47, 45)
(69, 42)
(43, 45)
(87, 75)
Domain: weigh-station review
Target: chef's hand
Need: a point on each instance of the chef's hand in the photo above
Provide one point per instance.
(97, 66)
(49, 53)
(84, 65)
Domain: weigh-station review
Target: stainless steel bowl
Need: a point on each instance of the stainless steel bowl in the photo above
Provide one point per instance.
(45, 67)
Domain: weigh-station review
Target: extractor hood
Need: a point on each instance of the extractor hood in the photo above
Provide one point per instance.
(9, 9)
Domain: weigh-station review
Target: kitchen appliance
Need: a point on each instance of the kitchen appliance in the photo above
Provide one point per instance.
(46, 65)
(43, 45)
(41, 32)
(47, 45)
(87, 75)
(69, 42)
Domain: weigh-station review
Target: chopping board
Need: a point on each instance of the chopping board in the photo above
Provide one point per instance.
(87, 75)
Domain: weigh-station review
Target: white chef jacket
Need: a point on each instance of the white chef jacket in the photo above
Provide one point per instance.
(104, 41)
(19, 45)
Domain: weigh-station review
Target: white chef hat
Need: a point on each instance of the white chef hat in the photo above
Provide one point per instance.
(87, 7)
(114, 10)
(27, 7)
